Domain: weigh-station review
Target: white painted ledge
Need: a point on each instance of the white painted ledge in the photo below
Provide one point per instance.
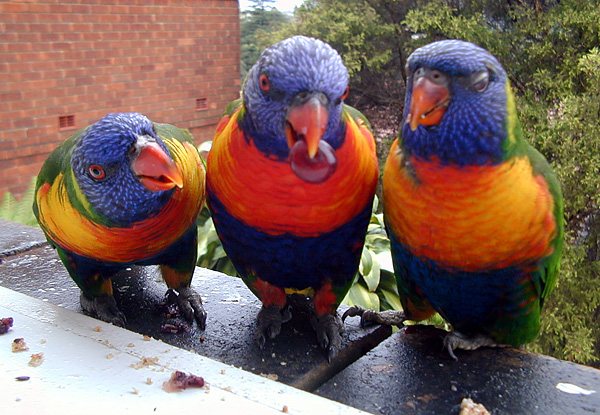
(87, 371)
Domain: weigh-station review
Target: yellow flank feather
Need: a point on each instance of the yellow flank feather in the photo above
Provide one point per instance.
(511, 116)
(470, 218)
(144, 239)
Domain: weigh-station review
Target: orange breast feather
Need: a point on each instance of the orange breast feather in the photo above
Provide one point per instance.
(267, 195)
(471, 218)
(142, 240)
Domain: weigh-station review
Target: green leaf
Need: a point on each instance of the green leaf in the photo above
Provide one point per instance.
(390, 300)
(359, 295)
(372, 278)
(20, 211)
(366, 262)
(205, 146)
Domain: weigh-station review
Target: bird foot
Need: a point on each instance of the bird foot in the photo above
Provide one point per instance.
(329, 329)
(190, 304)
(104, 307)
(456, 340)
(367, 316)
(269, 321)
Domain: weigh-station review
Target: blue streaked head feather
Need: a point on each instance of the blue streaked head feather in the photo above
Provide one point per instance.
(473, 128)
(119, 198)
(294, 65)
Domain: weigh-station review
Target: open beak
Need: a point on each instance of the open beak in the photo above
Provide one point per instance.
(154, 167)
(428, 103)
(307, 120)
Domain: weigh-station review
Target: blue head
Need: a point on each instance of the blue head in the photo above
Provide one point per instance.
(295, 91)
(456, 104)
(124, 169)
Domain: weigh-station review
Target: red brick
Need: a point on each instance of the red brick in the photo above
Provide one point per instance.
(89, 57)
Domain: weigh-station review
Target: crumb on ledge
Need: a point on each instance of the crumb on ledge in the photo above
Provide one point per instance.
(19, 345)
(5, 324)
(468, 407)
(180, 380)
(36, 359)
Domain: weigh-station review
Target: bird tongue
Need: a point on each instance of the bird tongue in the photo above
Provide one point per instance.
(316, 169)
(156, 169)
(312, 159)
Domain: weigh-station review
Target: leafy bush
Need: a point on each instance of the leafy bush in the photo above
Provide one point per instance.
(21, 210)
(550, 51)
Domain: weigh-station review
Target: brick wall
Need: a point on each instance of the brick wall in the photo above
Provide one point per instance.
(90, 57)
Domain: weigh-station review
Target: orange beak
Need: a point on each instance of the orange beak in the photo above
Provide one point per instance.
(155, 168)
(307, 121)
(428, 103)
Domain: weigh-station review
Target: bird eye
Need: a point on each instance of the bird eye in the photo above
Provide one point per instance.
(481, 80)
(264, 82)
(96, 172)
(419, 73)
(345, 94)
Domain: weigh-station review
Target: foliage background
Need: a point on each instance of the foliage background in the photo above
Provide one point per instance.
(551, 50)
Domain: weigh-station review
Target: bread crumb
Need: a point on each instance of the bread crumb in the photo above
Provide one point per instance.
(134, 391)
(148, 381)
(222, 371)
(43, 341)
(285, 409)
(131, 345)
(147, 338)
(272, 376)
(146, 361)
(19, 345)
(468, 407)
(110, 356)
(98, 329)
(36, 359)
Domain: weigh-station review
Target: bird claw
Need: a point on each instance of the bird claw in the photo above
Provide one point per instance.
(104, 307)
(269, 321)
(354, 311)
(329, 329)
(367, 316)
(456, 340)
(190, 304)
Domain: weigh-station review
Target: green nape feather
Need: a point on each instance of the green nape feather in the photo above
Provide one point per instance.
(357, 115)
(168, 131)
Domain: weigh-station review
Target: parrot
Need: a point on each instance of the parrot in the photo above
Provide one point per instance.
(474, 213)
(291, 178)
(120, 192)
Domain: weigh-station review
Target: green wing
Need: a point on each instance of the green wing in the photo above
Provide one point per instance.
(551, 264)
(59, 161)
(232, 106)
(357, 115)
(516, 146)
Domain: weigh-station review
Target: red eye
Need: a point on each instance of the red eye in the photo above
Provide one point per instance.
(346, 92)
(264, 82)
(97, 172)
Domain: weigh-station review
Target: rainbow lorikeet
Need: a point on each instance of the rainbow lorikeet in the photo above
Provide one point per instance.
(291, 178)
(124, 191)
(473, 212)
